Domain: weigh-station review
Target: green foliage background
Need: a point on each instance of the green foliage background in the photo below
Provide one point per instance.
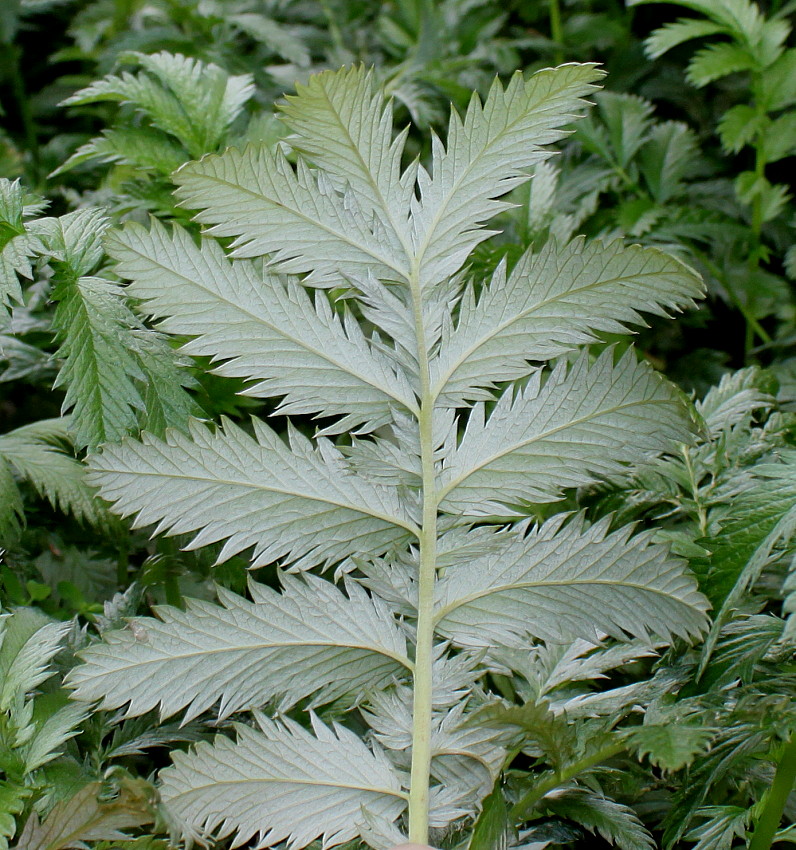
(690, 148)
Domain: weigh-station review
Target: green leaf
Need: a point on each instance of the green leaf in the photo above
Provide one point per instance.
(251, 492)
(26, 665)
(140, 147)
(717, 61)
(12, 509)
(36, 452)
(616, 823)
(780, 138)
(492, 830)
(670, 746)
(677, 32)
(564, 432)
(191, 100)
(739, 126)
(99, 370)
(12, 802)
(281, 783)
(778, 82)
(668, 156)
(310, 639)
(772, 197)
(763, 518)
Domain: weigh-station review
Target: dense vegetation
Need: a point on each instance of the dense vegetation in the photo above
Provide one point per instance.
(336, 505)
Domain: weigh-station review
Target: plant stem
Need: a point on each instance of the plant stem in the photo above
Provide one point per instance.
(557, 30)
(526, 804)
(424, 654)
(784, 779)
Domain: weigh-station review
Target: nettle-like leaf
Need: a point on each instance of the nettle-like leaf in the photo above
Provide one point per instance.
(191, 101)
(459, 418)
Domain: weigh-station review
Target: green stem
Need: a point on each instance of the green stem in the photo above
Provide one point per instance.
(557, 30)
(526, 804)
(424, 654)
(784, 779)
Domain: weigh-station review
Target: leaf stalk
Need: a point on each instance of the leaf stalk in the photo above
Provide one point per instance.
(424, 655)
(771, 815)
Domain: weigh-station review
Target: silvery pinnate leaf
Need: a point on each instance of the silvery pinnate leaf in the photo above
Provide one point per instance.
(583, 422)
(484, 157)
(309, 639)
(298, 503)
(282, 783)
(265, 328)
(553, 301)
(343, 123)
(557, 583)
(295, 216)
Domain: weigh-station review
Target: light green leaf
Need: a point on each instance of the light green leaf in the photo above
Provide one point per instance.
(51, 734)
(310, 639)
(739, 126)
(669, 155)
(564, 432)
(266, 328)
(191, 100)
(140, 147)
(557, 583)
(552, 302)
(295, 503)
(27, 666)
(778, 82)
(281, 783)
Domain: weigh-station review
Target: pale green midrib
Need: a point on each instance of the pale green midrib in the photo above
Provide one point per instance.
(259, 319)
(291, 781)
(423, 680)
(452, 485)
(314, 221)
(522, 585)
(362, 509)
(442, 381)
(401, 659)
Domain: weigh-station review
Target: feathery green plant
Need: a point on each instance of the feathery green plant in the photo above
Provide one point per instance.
(756, 46)
(456, 404)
